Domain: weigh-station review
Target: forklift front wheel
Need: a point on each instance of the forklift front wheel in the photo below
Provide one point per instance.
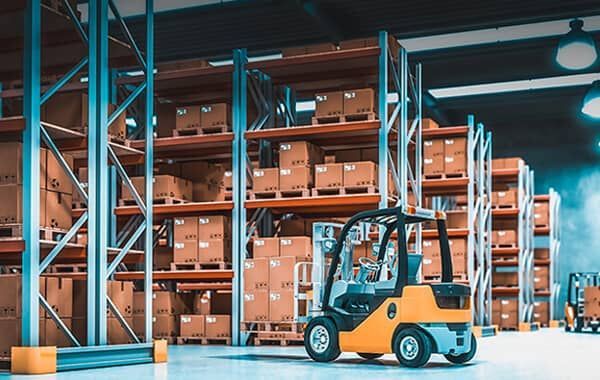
(412, 347)
(467, 356)
(321, 340)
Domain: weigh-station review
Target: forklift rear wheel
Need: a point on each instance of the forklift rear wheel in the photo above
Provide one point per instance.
(321, 340)
(467, 356)
(369, 356)
(412, 347)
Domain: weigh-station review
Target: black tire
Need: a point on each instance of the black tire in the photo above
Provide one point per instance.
(321, 340)
(412, 347)
(369, 356)
(467, 356)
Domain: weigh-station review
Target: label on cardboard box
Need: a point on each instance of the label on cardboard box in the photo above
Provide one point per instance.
(248, 264)
(179, 222)
(211, 320)
(285, 146)
(186, 319)
(259, 243)
(349, 167)
(259, 173)
(274, 296)
(248, 297)
(179, 245)
(285, 242)
(321, 98)
(427, 261)
(321, 169)
(285, 171)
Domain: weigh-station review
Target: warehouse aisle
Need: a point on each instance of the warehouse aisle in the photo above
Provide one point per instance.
(545, 355)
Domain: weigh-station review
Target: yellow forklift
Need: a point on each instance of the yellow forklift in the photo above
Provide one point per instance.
(381, 308)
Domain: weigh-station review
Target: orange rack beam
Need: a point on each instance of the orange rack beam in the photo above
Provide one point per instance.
(322, 205)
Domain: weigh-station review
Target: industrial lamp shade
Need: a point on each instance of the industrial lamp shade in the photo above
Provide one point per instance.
(591, 102)
(576, 49)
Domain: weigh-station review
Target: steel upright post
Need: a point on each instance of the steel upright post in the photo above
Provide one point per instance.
(148, 169)
(98, 174)
(383, 115)
(239, 193)
(31, 175)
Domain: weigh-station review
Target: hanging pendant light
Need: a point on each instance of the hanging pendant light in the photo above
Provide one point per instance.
(576, 49)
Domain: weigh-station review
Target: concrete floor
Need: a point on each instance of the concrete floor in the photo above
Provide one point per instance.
(543, 355)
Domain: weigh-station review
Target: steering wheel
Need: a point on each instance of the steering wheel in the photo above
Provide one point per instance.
(369, 264)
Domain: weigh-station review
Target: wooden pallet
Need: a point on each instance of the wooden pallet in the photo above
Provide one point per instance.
(79, 205)
(67, 268)
(498, 207)
(200, 266)
(279, 338)
(201, 131)
(514, 245)
(367, 189)
(304, 193)
(253, 195)
(158, 201)
(367, 116)
(228, 195)
(272, 326)
(455, 277)
(15, 232)
(181, 340)
(445, 175)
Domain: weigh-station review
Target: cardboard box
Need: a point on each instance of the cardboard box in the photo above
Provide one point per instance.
(217, 326)
(265, 179)
(163, 257)
(359, 101)
(185, 251)
(59, 294)
(298, 246)
(505, 279)
(116, 333)
(215, 115)
(214, 251)
(512, 162)
(360, 43)
(166, 118)
(185, 228)
(169, 303)
(541, 213)
(213, 227)
(66, 109)
(79, 299)
(591, 306)
(308, 49)
(433, 148)
(329, 175)
(509, 313)
(256, 305)
(432, 266)
(139, 307)
(165, 326)
(505, 237)
(295, 178)
(433, 165)
(329, 159)
(53, 336)
(329, 104)
(11, 164)
(206, 192)
(188, 117)
(281, 272)
(256, 274)
(455, 164)
(212, 302)
(360, 174)
(228, 180)
(265, 247)
(121, 294)
(541, 253)
(164, 186)
(428, 124)
(10, 297)
(458, 249)
(59, 208)
(431, 247)
(508, 197)
(11, 334)
(203, 172)
(139, 326)
(541, 278)
(191, 326)
(299, 153)
(281, 306)
(457, 219)
(11, 208)
(541, 312)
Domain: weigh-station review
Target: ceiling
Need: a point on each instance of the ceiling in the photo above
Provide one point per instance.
(522, 122)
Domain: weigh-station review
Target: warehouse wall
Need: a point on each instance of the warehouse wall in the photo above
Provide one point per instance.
(579, 187)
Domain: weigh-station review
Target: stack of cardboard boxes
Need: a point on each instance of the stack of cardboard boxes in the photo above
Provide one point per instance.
(202, 239)
(348, 105)
(59, 294)
(164, 188)
(444, 156)
(269, 277)
(541, 313)
(296, 163)
(206, 118)
(432, 264)
(505, 313)
(211, 318)
(541, 213)
(207, 180)
(55, 188)
(358, 43)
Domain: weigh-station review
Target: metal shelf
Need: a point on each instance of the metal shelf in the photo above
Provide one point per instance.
(340, 205)
(159, 276)
(445, 186)
(505, 212)
(505, 252)
(457, 131)
(502, 291)
(542, 231)
(202, 286)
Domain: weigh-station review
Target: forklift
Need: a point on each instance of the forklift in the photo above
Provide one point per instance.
(381, 308)
(575, 320)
